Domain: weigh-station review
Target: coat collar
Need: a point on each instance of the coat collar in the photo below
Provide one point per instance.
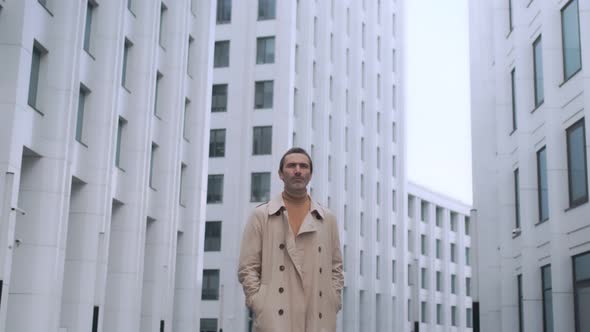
(276, 204)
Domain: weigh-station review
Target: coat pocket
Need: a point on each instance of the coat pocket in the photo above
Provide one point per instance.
(258, 300)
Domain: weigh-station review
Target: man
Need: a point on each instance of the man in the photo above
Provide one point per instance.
(290, 261)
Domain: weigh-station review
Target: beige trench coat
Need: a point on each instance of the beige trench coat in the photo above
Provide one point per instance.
(292, 283)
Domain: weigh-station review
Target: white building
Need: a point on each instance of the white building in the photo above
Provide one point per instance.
(104, 127)
(322, 75)
(530, 168)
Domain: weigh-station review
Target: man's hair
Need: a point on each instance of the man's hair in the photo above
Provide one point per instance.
(296, 150)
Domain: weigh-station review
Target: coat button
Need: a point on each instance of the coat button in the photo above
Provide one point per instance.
(320, 315)
(281, 246)
(281, 312)
(281, 290)
(282, 267)
(320, 293)
(319, 249)
(320, 270)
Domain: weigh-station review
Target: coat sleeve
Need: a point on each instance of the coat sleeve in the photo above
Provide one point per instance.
(337, 274)
(250, 261)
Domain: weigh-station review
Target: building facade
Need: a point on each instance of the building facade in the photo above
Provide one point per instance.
(529, 62)
(104, 129)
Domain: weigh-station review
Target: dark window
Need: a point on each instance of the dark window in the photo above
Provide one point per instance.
(582, 291)
(439, 216)
(454, 315)
(570, 34)
(263, 94)
(516, 200)
(95, 313)
(210, 289)
(260, 191)
(219, 98)
(438, 281)
(468, 286)
(262, 140)
(182, 189)
(467, 224)
(213, 236)
(538, 67)
(80, 114)
(163, 23)
(185, 119)
(266, 9)
(547, 298)
(510, 23)
(152, 162)
(217, 143)
(215, 188)
(513, 98)
(265, 50)
(120, 130)
(438, 245)
(221, 54)
(542, 186)
(157, 93)
(88, 27)
(467, 257)
(37, 61)
(208, 325)
(190, 57)
(520, 308)
(223, 11)
(576, 162)
(126, 49)
(453, 284)
(453, 253)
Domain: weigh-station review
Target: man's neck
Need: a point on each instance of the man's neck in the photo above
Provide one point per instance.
(297, 197)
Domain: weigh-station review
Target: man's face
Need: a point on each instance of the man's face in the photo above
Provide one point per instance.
(296, 172)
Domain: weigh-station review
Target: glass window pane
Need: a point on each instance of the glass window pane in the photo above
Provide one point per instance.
(213, 236)
(221, 54)
(582, 267)
(543, 190)
(208, 325)
(210, 290)
(34, 78)
(260, 190)
(223, 11)
(578, 187)
(219, 98)
(217, 143)
(570, 33)
(263, 94)
(538, 64)
(266, 9)
(582, 308)
(215, 188)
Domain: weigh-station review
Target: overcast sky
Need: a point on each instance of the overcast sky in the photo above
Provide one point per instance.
(438, 96)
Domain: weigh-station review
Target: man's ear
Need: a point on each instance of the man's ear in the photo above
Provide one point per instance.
(281, 174)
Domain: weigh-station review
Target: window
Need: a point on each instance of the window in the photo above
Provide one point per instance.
(542, 185)
(410, 206)
(546, 289)
(362, 223)
(208, 325)
(163, 23)
(582, 291)
(37, 71)
(120, 130)
(538, 71)
(126, 49)
(217, 143)
(423, 278)
(468, 286)
(438, 247)
(467, 257)
(84, 92)
(182, 191)
(454, 218)
(223, 11)
(454, 315)
(190, 56)
(215, 188)
(570, 34)
(423, 244)
(361, 265)
(516, 201)
(377, 269)
(467, 224)
(262, 140)
(221, 54)
(266, 9)
(519, 294)
(453, 253)
(185, 119)
(260, 191)
(362, 148)
(439, 314)
(393, 166)
(576, 164)
(263, 94)
(453, 284)
(90, 6)
(393, 271)
(439, 216)
(468, 317)
(424, 211)
(393, 234)
(424, 316)
(438, 281)
(210, 290)
(362, 186)
(159, 77)
(513, 98)
(219, 98)
(265, 50)
(152, 162)
(378, 229)
(510, 26)
(213, 236)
